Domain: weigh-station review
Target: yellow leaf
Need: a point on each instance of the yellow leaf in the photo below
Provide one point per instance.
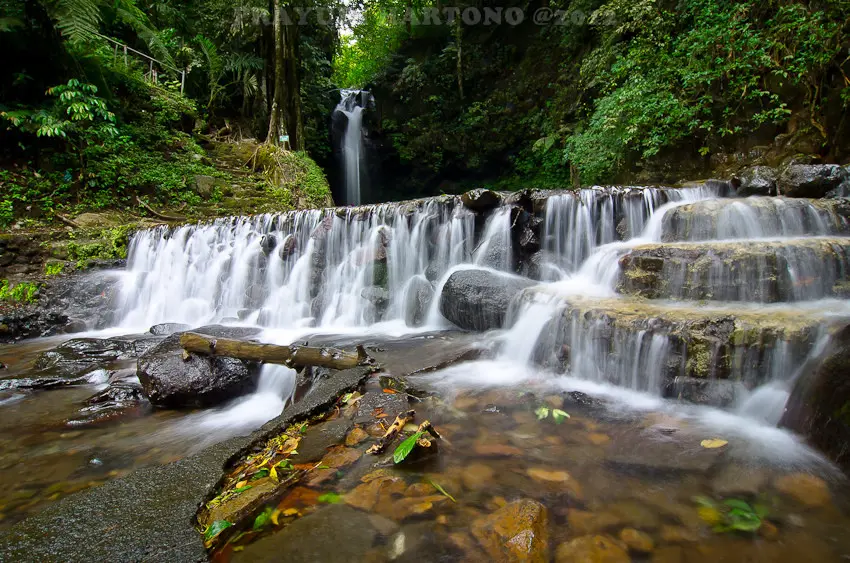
(273, 475)
(274, 517)
(291, 512)
(709, 515)
(713, 443)
(241, 484)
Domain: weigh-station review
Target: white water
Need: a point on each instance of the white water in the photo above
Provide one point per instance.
(353, 270)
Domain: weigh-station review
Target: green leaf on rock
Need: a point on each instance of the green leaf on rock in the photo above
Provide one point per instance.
(215, 529)
(330, 498)
(242, 489)
(559, 416)
(403, 450)
(542, 413)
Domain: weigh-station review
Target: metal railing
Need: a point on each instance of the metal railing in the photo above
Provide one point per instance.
(153, 73)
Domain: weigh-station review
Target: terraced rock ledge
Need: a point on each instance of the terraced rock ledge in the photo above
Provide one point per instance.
(626, 340)
(760, 271)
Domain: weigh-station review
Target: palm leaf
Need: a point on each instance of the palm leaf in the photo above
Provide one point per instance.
(78, 20)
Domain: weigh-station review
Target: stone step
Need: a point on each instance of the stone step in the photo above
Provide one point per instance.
(756, 217)
(661, 347)
(760, 271)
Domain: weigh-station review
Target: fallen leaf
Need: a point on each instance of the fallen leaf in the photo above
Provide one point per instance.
(389, 391)
(291, 512)
(382, 415)
(541, 413)
(330, 498)
(713, 443)
(273, 475)
(241, 484)
(275, 516)
(403, 450)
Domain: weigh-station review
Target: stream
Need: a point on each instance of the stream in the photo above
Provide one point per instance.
(617, 478)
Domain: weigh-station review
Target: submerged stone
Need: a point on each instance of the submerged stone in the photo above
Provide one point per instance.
(591, 549)
(479, 299)
(517, 532)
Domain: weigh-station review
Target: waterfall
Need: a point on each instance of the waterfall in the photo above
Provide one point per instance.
(351, 107)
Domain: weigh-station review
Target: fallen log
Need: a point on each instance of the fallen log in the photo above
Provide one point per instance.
(274, 354)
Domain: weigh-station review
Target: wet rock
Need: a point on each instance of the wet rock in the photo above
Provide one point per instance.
(378, 297)
(583, 522)
(315, 443)
(591, 549)
(517, 532)
(481, 199)
(376, 402)
(739, 480)
(714, 392)
(497, 450)
(171, 381)
(116, 401)
(757, 180)
(418, 299)
(806, 489)
(632, 454)
(80, 355)
(819, 404)
(811, 180)
(479, 299)
(167, 329)
(334, 533)
(563, 479)
(477, 476)
(636, 540)
(383, 489)
(677, 534)
(356, 436)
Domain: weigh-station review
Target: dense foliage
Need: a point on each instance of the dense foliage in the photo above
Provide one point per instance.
(607, 90)
(104, 103)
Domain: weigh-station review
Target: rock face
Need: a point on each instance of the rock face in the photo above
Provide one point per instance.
(479, 299)
(760, 271)
(519, 531)
(481, 199)
(199, 381)
(755, 217)
(819, 405)
(811, 180)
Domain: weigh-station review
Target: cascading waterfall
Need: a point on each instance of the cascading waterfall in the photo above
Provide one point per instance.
(351, 106)
(337, 267)
(353, 267)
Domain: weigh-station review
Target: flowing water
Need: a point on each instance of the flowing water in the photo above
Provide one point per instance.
(362, 270)
(351, 106)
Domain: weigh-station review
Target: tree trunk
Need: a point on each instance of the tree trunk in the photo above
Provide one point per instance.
(459, 43)
(295, 120)
(275, 129)
(273, 354)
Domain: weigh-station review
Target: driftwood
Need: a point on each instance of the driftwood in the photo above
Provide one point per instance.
(274, 354)
(156, 213)
(393, 431)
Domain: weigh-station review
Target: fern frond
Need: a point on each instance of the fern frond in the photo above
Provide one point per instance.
(78, 20)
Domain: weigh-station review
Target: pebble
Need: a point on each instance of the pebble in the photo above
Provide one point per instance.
(591, 549)
(477, 476)
(806, 489)
(637, 540)
(677, 534)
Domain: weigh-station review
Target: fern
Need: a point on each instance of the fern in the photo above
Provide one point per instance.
(131, 15)
(78, 20)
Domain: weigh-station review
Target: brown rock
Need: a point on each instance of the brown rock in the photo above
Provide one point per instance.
(497, 450)
(591, 549)
(598, 438)
(769, 531)
(637, 540)
(338, 456)
(517, 532)
(562, 478)
(379, 490)
(806, 489)
(668, 554)
(420, 490)
(477, 476)
(356, 436)
(408, 507)
(677, 534)
(583, 523)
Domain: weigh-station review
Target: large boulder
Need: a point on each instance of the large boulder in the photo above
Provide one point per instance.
(479, 299)
(81, 355)
(481, 199)
(757, 180)
(819, 405)
(171, 381)
(811, 180)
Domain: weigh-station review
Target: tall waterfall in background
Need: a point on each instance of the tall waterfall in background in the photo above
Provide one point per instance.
(351, 108)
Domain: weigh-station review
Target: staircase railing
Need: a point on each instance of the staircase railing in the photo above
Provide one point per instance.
(153, 73)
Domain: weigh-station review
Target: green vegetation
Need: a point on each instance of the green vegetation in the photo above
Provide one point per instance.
(23, 292)
(615, 90)
(53, 268)
(88, 125)
(731, 515)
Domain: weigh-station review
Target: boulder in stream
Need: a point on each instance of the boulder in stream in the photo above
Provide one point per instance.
(198, 381)
(819, 405)
(418, 297)
(811, 180)
(479, 299)
(481, 199)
